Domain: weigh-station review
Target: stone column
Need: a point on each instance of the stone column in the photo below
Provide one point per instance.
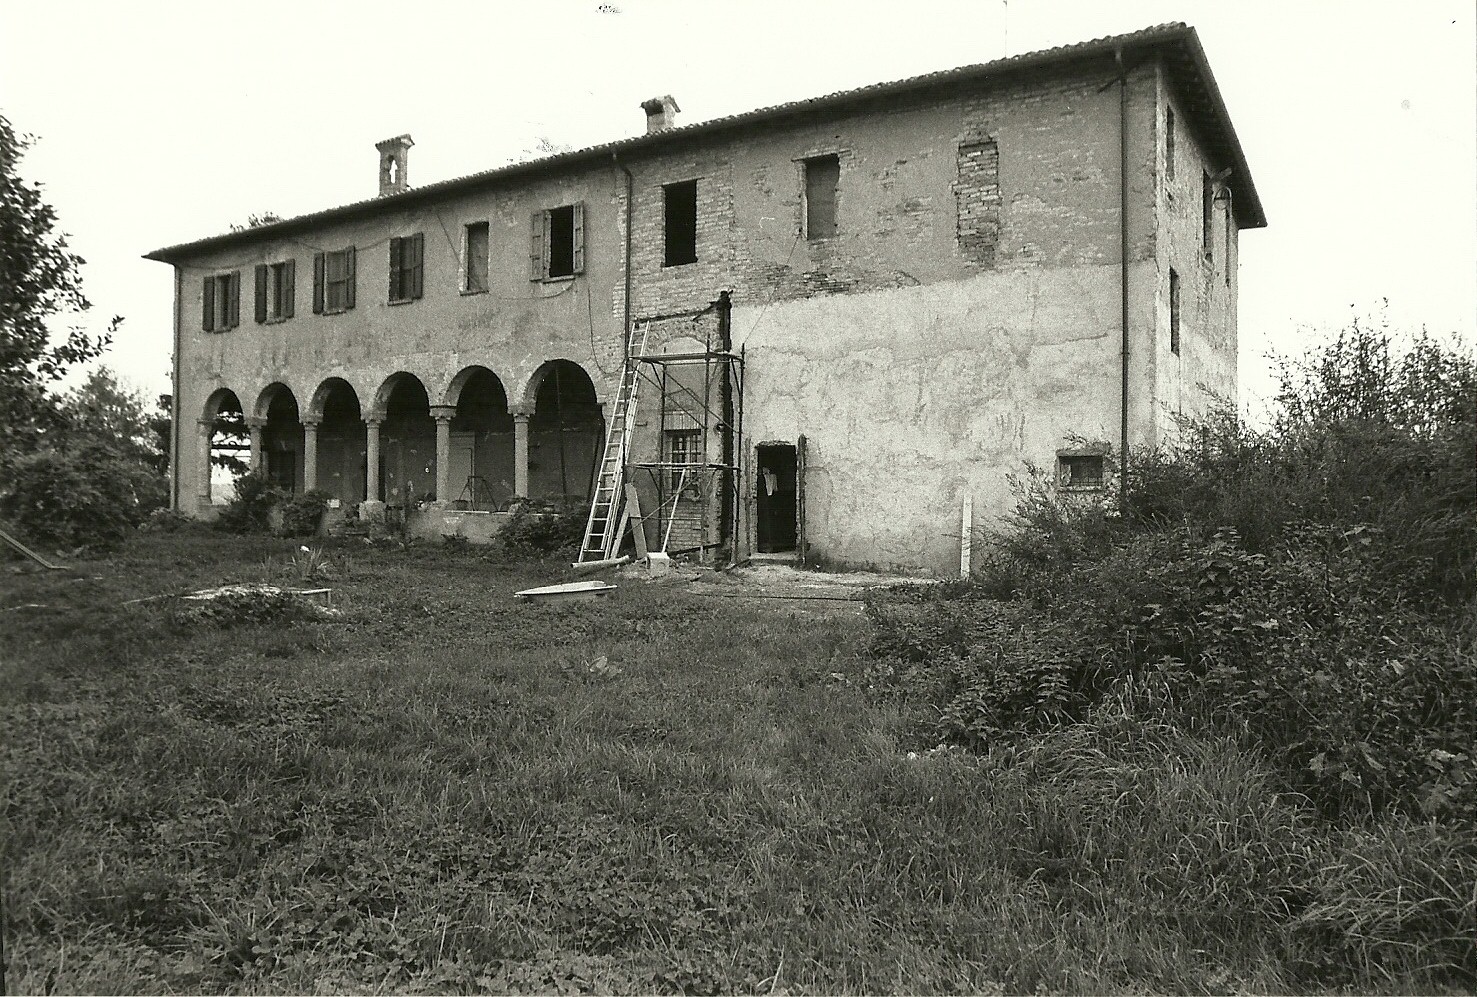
(372, 508)
(520, 451)
(206, 427)
(310, 455)
(443, 414)
(256, 424)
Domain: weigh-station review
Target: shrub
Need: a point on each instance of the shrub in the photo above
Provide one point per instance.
(85, 495)
(250, 509)
(302, 515)
(537, 530)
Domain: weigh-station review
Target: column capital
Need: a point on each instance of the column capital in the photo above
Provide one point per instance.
(373, 419)
(520, 412)
(443, 413)
(311, 423)
(256, 422)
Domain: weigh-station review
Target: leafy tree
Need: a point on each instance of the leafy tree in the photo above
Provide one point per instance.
(39, 278)
(257, 220)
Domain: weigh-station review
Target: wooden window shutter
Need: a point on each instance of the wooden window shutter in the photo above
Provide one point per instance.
(233, 300)
(417, 264)
(536, 254)
(261, 293)
(396, 286)
(207, 322)
(349, 290)
(317, 283)
(289, 287)
(579, 237)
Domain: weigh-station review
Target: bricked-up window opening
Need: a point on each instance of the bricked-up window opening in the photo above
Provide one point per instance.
(679, 211)
(1084, 471)
(221, 305)
(333, 281)
(822, 175)
(274, 291)
(1207, 213)
(407, 267)
(1174, 312)
(977, 191)
(556, 245)
(683, 446)
(1169, 143)
(474, 277)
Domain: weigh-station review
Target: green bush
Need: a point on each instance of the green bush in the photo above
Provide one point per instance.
(84, 495)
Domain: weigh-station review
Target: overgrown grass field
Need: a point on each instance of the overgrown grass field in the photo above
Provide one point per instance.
(446, 791)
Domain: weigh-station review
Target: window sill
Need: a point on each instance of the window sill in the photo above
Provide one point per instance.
(402, 301)
(558, 280)
(472, 292)
(682, 263)
(1080, 489)
(277, 320)
(334, 311)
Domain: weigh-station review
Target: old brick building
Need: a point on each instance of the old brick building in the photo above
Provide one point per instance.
(932, 282)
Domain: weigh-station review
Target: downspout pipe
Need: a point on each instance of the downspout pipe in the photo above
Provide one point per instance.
(1123, 277)
(626, 255)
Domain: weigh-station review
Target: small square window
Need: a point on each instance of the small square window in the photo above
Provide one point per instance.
(679, 212)
(474, 273)
(822, 176)
(1080, 470)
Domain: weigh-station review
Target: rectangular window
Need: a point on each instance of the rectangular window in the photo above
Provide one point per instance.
(333, 282)
(1174, 312)
(557, 243)
(275, 290)
(822, 176)
(221, 302)
(406, 267)
(474, 245)
(684, 446)
(1207, 209)
(1169, 143)
(1080, 471)
(679, 213)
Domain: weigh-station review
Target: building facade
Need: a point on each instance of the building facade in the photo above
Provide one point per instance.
(932, 283)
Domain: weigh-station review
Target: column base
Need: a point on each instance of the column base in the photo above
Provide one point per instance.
(372, 511)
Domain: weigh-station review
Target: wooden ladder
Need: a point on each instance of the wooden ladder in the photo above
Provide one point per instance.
(602, 529)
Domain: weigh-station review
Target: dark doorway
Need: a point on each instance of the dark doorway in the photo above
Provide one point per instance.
(775, 486)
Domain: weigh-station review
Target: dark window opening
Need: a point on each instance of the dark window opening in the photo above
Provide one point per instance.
(679, 203)
(561, 241)
(1084, 471)
(1169, 143)
(406, 267)
(475, 277)
(822, 175)
(1207, 213)
(1174, 312)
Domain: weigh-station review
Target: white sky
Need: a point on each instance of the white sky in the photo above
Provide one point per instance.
(161, 122)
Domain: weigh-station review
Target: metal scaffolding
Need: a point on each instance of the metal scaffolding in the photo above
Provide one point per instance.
(697, 489)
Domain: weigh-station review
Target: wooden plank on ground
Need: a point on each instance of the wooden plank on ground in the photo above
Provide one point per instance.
(28, 552)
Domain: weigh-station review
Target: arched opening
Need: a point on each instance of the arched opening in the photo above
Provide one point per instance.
(407, 442)
(565, 433)
(227, 449)
(481, 474)
(282, 438)
(342, 471)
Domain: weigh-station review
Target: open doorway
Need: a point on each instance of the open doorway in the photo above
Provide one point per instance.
(776, 520)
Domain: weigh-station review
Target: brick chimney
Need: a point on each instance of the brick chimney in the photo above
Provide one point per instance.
(661, 113)
(394, 161)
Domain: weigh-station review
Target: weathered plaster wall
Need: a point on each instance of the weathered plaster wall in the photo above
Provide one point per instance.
(1206, 365)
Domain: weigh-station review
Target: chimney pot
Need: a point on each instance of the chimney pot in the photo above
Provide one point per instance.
(661, 113)
(394, 157)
